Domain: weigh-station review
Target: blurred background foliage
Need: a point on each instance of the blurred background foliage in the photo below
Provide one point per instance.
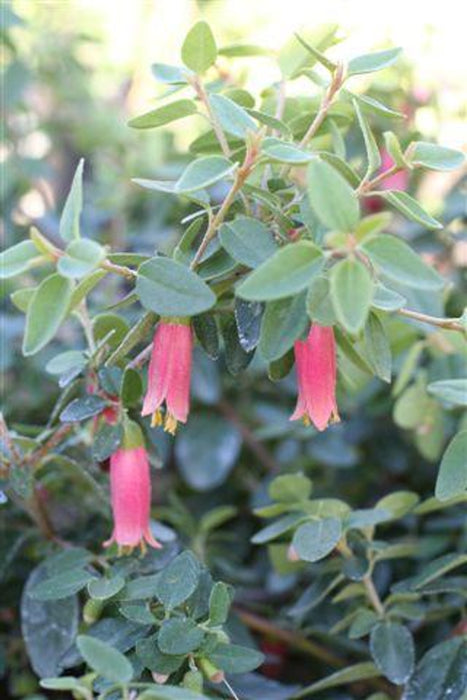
(74, 73)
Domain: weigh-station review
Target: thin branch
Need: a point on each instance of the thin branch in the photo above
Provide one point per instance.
(372, 594)
(49, 444)
(121, 270)
(368, 185)
(451, 324)
(204, 98)
(140, 359)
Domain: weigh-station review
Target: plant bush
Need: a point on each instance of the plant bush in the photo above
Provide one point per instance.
(323, 555)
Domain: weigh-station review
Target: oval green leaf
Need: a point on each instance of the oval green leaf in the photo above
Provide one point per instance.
(351, 293)
(164, 115)
(452, 475)
(199, 50)
(171, 289)
(46, 311)
(331, 197)
(284, 274)
(104, 659)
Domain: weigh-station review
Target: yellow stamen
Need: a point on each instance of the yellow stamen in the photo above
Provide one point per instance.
(335, 418)
(170, 425)
(143, 547)
(157, 419)
(306, 419)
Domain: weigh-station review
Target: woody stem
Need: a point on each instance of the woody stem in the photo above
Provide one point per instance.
(451, 324)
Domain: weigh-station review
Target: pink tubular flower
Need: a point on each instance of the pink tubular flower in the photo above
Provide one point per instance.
(315, 360)
(169, 374)
(130, 488)
(398, 181)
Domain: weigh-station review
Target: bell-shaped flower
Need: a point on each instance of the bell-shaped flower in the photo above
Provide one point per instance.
(315, 361)
(169, 374)
(130, 489)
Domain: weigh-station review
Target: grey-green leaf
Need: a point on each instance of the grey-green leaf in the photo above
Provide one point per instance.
(370, 62)
(441, 674)
(164, 115)
(285, 152)
(234, 119)
(178, 580)
(393, 651)
(452, 475)
(232, 658)
(104, 659)
(377, 347)
(409, 207)
(69, 221)
(17, 259)
(199, 50)
(179, 636)
(283, 322)
(315, 540)
(397, 261)
(371, 147)
(203, 172)
(287, 272)
(351, 293)
(171, 289)
(452, 391)
(247, 240)
(46, 311)
(81, 257)
(331, 197)
(434, 157)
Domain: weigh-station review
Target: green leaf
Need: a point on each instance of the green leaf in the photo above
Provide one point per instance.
(63, 683)
(48, 627)
(452, 475)
(150, 655)
(270, 121)
(61, 585)
(370, 62)
(171, 692)
(245, 50)
(278, 527)
(69, 221)
(247, 240)
(199, 50)
(207, 333)
(66, 361)
(18, 258)
(452, 391)
(46, 311)
(216, 517)
(351, 293)
(290, 488)
(398, 262)
(315, 540)
(370, 104)
(104, 659)
(441, 673)
(387, 299)
(410, 208)
(394, 149)
(204, 172)
(351, 674)
(248, 316)
(178, 580)
(219, 603)
(320, 57)
(132, 387)
(107, 440)
(210, 443)
(83, 408)
(81, 257)
(233, 119)
(170, 75)
(233, 658)
(430, 155)
(179, 636)
(319, 303)
(377, 347)
(164, 115)
(171, 289)
(111, 327)
(105, 588)
(22, 297)
(285, 273)
(372, 150)
(283, 322)
(398, 503)
(331, 197)
(285, 152)
(393, 651)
